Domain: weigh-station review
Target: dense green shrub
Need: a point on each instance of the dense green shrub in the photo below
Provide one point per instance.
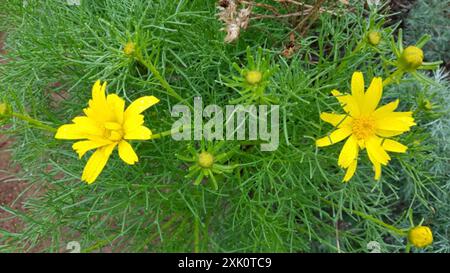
(288, 200)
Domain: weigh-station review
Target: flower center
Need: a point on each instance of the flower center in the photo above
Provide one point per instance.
(253, 77)
(205, 160)
(129, 48)
(363, 127)
(113, 131)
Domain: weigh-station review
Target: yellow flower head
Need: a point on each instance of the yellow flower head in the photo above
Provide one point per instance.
(365, 126)
(253, 77)
(129, 48)
(205, 160)
(374, 38)
(420, 236)
(411, 58)
(107, 124)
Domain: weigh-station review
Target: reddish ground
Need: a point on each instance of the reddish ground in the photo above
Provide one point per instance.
(10, 186)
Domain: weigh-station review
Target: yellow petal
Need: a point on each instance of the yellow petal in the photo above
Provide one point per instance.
(98, 92)
(350, 171)
(376, 153)
(377, 169)
(348, 103)
(127, 153)
(348, 153)
(394, 146)
(112, 126)
(334, 137)
(141, 133)
(81, 147)
(99, 112)
(373, 95)
(99, 109)
(357, 87)
(133, 122)
(388, 133)
(70, 131)
(96, 163)
(398, 115)
(117, 106)
(385, 110)
(96, 88)
(335, 119)
(88, 125)
(395, 122)
(140, 105)
(361, 143)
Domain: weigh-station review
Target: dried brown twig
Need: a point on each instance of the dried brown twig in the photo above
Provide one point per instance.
(237, 14)
(234, 19)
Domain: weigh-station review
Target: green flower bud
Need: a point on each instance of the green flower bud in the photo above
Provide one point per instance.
(5, 110)
(374, 38)
(428, 105)
(129, 48)
(205, 160)
(411, 58)
(253, 77)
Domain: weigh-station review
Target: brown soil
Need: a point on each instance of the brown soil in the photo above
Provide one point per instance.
(10, 187)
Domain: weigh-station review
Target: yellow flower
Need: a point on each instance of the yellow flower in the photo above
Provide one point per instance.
(420, 236)
(107, 124)
(365, 126)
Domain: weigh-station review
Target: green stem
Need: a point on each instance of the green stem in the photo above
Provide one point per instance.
(393, 76)
(370, 218)
(408, 248)
(160, 78)
(162, 134)
(166, 133)
(355, 50)
(381, 223)
(34, 122)
(197, 235)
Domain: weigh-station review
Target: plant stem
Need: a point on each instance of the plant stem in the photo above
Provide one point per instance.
(408, 248)
(392, 77)
(162, 134)
(370, 218)
(34, 122)
(381, 223)
(197, 235)
(160, 78)
(355, 50)
(167, 133)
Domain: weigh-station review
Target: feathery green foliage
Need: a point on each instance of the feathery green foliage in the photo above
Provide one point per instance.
(288, 200)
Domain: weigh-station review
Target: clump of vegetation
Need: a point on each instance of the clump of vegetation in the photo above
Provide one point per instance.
(224, 195)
